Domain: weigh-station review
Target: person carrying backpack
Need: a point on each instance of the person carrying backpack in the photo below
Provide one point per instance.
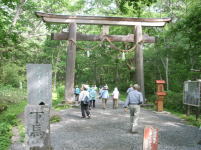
(104, 95)
(77, 93)
(92, 95)
(84, 99)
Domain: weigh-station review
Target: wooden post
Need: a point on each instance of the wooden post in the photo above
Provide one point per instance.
(197, 113)
(139, 58)
(188, 110)
(70, 64)
(105, 30)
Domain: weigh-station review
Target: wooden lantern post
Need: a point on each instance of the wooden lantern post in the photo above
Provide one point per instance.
(160, 95)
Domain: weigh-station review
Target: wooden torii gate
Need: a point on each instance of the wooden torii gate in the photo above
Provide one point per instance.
(72, 36)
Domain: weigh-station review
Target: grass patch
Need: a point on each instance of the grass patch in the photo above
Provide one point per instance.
(191, 120)
(8, 119)
(62, 106)
(55, 118)
(123, 96)
(21, 129)
(57, 99)
(9, 95)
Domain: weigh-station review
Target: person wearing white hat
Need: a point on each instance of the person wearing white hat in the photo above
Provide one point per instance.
(104, 96)
(133, 100)
(84, 99)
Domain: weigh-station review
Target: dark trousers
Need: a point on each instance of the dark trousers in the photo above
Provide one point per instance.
(92, 102)
(85, 109)
(76, 97)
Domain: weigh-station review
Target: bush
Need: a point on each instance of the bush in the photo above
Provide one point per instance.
(55, 118)
(151, 99)
(174, 101)
(11, 75)
(8, 118)
(10, 95)
(60, 91)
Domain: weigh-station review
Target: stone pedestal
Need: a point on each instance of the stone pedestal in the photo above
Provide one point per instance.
(37, 127)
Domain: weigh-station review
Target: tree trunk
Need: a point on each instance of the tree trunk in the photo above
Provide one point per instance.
(117, 73)
(70, 64)
(139, 58)
(166, 68)
(166, 72)
(55, 72)
(95, 72)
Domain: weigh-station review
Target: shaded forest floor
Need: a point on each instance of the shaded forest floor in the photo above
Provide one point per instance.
(109, 130)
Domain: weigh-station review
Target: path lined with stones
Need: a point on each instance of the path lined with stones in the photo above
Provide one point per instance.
(108, 130)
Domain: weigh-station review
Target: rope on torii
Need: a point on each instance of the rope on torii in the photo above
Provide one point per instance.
(105, 38)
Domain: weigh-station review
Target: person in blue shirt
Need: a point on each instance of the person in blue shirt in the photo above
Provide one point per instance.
(92, 95)
(104, 96)
(129, 89)
(133, 100)
(77, 93)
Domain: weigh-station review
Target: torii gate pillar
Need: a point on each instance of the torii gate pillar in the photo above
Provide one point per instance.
(70, 63)
(139, 75)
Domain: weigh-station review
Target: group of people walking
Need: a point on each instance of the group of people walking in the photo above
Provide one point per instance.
(86, 96)
(104, 95)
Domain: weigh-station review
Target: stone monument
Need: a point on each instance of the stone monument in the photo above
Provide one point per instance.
(37, 112)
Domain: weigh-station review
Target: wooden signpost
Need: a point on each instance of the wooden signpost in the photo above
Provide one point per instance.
(138, 38)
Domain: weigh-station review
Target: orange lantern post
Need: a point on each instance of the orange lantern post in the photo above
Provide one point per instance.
(160, 95)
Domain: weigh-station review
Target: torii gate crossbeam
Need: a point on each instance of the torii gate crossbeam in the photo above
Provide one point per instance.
(95, 20)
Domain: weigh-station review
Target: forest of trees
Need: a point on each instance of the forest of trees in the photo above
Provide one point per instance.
(26, 39)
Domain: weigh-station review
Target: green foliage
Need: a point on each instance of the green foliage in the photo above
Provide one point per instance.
(137, 5)
(21, 129)
(58, 99)
(191, 120)
(9, 95)
(123, 96)
(174, 101)
(60, 91)
(10, 75)
(55, 118)
(8, 118)
(60, 106)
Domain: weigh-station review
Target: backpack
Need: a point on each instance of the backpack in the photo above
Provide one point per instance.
(86, 100)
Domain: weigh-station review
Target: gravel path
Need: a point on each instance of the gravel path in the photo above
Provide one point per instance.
(108, 130)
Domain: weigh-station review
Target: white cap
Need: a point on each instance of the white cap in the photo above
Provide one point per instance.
(136, 86)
